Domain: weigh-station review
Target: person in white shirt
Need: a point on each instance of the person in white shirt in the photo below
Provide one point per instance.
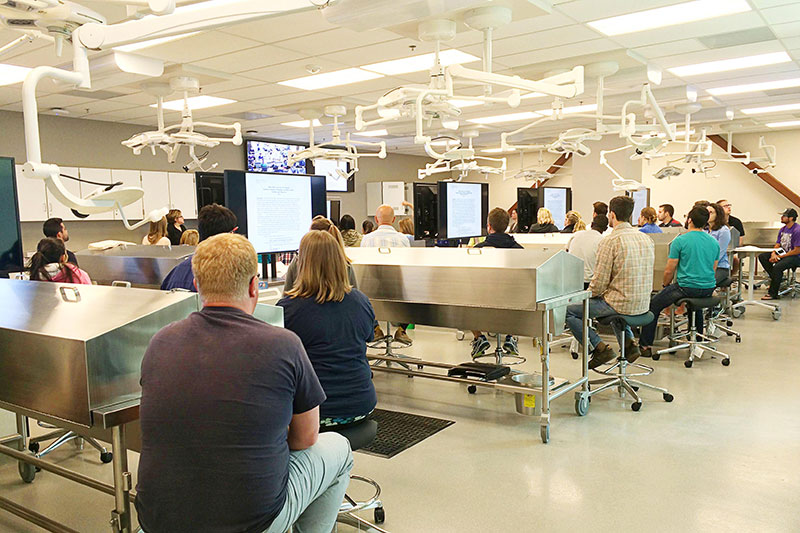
(385, 236)
(584, 246)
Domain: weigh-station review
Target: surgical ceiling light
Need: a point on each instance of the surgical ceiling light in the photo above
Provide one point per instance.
(331, 79)
(302, 123)
(510, 117)
(771, 109)
(785, 124)
(668, 171)
(725, 65)
(754, 87)
(153, 42)
(669, 16)
(196, 102)
(11, 74)
(420, 63)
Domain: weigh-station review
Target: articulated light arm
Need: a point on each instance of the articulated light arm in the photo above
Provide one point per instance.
(567, 85)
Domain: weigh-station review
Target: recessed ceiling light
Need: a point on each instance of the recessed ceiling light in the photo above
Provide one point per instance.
(669, 16)
(153, 42)
(753, 87)
(420, 63)
(371, 133)
(511, 117)
(771, 109)
(570, 110)
(301, 123)
(737, 63)
(196, 102)
(11, 74)
(331, 79)
(786, 124)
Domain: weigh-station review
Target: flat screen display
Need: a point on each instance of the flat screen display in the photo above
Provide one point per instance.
(641, 199)
(556, 200)
(426, 222)
(527, 207)
(265, 156)
(11, 257)
(334, 182)
(274, 210)
(463, 209)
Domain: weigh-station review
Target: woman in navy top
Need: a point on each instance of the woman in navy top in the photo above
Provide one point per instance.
(334, 321)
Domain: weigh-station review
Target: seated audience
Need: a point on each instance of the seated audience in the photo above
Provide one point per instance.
(584, 245)
(212, 220)
(50, 263)
(512, 225)
(621, 284)
(665, 214)
(544, 222)
(692, 261)
(230, 415)
(647, 221)
(157, 234)
(717, 228)
(573, 223)
(732, 220)
(599, 208)
(190, 237)
(319, 223)
(786, 254)
(496, 225)
(334, 321)
(347, 225)
(175, 226)
(367, 227)
(406, 226)
(55, 228)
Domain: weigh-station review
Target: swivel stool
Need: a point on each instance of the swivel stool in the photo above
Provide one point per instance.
(792, 285)
(618, 375)
(720, 318)
(695, 342)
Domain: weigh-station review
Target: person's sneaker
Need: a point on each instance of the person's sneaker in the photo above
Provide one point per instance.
(479, 346)
(401, 336)
(602, 354)
(632, 351)
(647, 352)
(510, 345)
(378, 334)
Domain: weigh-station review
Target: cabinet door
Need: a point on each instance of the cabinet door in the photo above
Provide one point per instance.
(183, 194)
(99, 175)
(54, 207)
(129, 178)
(156, 190)
(31, 198)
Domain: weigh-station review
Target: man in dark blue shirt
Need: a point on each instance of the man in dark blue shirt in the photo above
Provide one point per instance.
(230, 416)
(212, 220)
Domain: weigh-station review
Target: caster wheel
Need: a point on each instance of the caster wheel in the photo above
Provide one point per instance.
(545, 433)
(726, 362)
(636, 406)
(420, 367)
(738, 339)
(459, 335)
(687, 364)
(379, 515)
(574, 355)
(472, 389)
(581, 405)
(729, 334)
(668, 397)
(776, 315)
(656, 356)
(729, 323)
(634, 387)
(737, 312)
(106, 457)
(27, 472)
(33, 447)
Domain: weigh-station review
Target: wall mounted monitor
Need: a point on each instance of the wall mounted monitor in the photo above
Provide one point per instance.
(11, 256)
(274, 209)
(334, 182)
(426, 214)
(558, 200)
(527, 207)
(210, 188)
(641, 199)
(271, 156)
(463, 209)
(334, 211)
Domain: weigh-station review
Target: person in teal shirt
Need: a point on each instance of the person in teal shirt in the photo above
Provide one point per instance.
(692, 261)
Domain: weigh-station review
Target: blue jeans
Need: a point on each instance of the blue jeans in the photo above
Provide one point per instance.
(318, 478)
(598, 308)
(668, 296)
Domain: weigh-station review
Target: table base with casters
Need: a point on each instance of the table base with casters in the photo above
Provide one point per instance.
(738, 308)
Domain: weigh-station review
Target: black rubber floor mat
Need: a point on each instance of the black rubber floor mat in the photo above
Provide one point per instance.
(399, 431)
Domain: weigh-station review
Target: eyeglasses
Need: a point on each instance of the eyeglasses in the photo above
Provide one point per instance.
(726, 205)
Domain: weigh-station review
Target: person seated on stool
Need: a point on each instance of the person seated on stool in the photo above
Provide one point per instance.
(718, 228)
(647, 221)
(230, 415)
(621, 284)
(55, 228)
(157, 235)
(51, 263)
(496, 225)
(175, 226)
(774, 263)
(583, 245)
(544, 222)
(334, 321)
(693, 256)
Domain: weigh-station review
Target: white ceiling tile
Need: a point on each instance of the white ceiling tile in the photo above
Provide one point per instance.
(10, 94)
(540, 40)
(336, 40)
(199, 47)
(730, 52)
(778, 15)
(260, 56)
(277, 29)
(385, 51)
(683, 46)
(254, 92)
(790, 29)
(588, 10)
(771, 3)
(100, 106)
(575, 50)
(791, 43)
(292, 69)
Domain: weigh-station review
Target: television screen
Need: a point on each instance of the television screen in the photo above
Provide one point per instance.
(558, 200)
(264, 156)
(463, 209)
(426, 223)
(210, 188)
(11, 257)
(274, 210)
(334, 182)
(527, 207)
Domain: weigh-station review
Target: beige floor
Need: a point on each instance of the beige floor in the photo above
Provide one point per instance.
(724, 456)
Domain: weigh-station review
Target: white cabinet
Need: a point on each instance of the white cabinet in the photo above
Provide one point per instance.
(55, 207)
(31, 198)
(129, 178)
(156, 190)
(99, 175)
(183, 194)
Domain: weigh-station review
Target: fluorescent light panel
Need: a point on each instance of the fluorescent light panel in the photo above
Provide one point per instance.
(371, 133)
(726, 65)
(11, 74)
(420, 63)
(786, 124)
(753, 87)
(771, 109)
(152, 42)
(331, 79)
(511, 117)
(669, 16)
(196, 102)
(570, 110)
(301, 123)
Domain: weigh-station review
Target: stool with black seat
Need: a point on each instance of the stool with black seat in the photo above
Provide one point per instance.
(696, 342)
(617, 374)
(792, 286)
(720, 318)
(360, 435)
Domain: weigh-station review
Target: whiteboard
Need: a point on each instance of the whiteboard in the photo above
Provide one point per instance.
(394, 194)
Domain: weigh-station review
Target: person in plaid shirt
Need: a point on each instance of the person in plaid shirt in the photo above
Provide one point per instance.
(621, 284)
